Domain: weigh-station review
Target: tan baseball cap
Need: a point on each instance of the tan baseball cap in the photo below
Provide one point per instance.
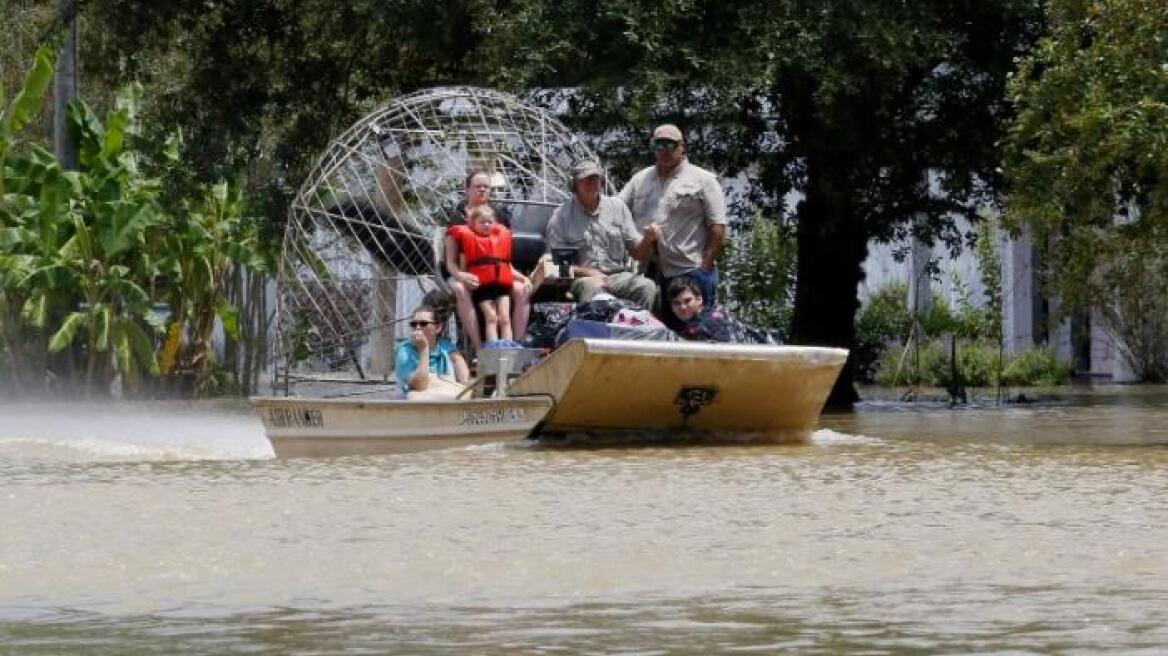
(668, 131)
(586, 169)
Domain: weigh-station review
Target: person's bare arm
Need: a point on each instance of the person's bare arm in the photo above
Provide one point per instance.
(717, 237)
(420, 379)
(518, 276)
(452, 264)
(579, 271)
(461, 369)
(649, 238)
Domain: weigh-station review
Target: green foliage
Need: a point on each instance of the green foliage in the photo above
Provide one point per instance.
(886, 322)
(25, 105)
(978, 365)
(1036, 367)
(758, 273)
(849, 103)
(1135, 282)
(883, 321)
(259, 86)
(209, 237)
(87, 253)
(27, 222)
(25, 25)
(928, 365)
(87, 244)
(1087, 155)
(990, 267)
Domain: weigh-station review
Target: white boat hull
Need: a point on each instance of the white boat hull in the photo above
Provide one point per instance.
(341, 427)
(623, 390)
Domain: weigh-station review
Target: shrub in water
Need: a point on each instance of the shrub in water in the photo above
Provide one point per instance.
(980, 365)
(884, 320)
(977, 363)
(1036, 367)
(928, 366)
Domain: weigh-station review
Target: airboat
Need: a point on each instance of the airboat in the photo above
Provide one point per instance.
(362, 249)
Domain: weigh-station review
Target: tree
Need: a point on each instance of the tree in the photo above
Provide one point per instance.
(76, 242)
(883, 115)
(85, 254)
(258, 87)
(1087, 158)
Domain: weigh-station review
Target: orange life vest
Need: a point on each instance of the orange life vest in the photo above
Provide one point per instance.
(489, 257)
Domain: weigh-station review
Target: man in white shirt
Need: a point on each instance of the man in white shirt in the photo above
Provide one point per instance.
(680, 208)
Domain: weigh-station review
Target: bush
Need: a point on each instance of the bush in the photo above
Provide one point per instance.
(758, 274)
(926, 367)
(978, 366)
(884, 320)
(1036, 367)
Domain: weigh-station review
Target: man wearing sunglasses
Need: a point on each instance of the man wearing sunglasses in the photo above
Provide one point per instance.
(680, 208)
(427, 365)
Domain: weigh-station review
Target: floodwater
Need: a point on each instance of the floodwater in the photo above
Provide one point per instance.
(169, 528)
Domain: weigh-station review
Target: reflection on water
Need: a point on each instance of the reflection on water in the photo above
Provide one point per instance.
(1100, 415)
(898, 530)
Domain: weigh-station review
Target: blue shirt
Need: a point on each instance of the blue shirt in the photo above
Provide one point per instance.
(406, 359)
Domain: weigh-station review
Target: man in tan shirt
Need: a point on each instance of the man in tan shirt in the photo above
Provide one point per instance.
(601, 230)
(680, 208)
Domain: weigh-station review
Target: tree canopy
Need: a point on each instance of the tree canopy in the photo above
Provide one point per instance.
(1087, 158)
(883, 116)
(1088, 152)
(261, 85)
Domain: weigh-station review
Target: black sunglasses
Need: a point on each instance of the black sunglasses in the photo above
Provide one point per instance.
(421, 324)
(663, 144)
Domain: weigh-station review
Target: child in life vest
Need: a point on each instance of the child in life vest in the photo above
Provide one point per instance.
(485, 268)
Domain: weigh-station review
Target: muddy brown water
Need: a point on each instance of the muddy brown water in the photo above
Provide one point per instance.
(900, 529)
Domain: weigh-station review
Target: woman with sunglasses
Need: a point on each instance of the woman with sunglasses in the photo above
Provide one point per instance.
(427, 365)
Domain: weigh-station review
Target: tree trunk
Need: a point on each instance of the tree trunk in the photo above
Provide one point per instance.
(231, 343)
(832, 247)
(13, 342)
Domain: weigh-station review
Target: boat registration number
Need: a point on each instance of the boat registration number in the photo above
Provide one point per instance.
(493, 416)
(295, 418)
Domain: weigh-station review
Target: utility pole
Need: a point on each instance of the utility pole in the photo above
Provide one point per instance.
(65, 88)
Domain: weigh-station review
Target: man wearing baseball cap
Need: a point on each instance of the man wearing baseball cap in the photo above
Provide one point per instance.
(600, 229)
(679, 207)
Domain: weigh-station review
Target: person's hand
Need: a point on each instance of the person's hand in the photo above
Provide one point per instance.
(419, 340)
(469, 279)
(708, 267)
(652, 232)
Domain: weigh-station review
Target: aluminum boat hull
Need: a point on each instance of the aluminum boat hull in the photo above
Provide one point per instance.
(343, 427)
(625, 390)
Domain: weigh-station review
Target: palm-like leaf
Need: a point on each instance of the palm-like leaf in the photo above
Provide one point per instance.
(68, 331)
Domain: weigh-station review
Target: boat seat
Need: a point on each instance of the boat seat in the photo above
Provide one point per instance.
(497, 366)
(526, 249)
(527, 256)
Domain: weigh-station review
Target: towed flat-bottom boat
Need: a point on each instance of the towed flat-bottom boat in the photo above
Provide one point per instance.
(342, 427)
(601, 391)
(627, 391)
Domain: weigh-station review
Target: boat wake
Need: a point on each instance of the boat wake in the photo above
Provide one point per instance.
(116, 432)
(826, 437)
